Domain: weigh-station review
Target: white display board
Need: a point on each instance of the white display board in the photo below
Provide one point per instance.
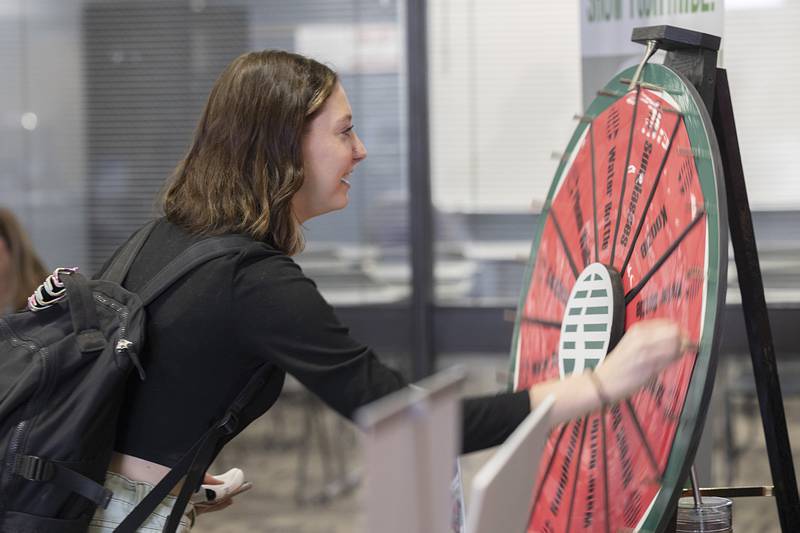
(410, 440)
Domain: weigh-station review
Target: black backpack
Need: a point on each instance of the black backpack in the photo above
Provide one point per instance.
(63, 371)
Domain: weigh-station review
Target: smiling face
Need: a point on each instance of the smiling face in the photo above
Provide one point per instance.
(331, 150)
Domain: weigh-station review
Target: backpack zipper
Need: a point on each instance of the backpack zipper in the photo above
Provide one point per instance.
(19, 432)
(122, 311)
(11, 457)
(123, 344)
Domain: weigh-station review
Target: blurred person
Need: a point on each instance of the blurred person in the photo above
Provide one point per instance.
(276, 146)
(21, 270)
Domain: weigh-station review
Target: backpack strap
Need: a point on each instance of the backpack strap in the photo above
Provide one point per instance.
(34, 468)
(194, 256)
(121, 264)
(193, 464)
(231, 422)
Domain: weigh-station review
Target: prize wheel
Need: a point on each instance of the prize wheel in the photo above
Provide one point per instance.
(633, 228)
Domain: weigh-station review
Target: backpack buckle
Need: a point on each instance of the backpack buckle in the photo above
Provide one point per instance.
(34, 468)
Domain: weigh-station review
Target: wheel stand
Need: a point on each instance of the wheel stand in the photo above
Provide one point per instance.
(694, 55)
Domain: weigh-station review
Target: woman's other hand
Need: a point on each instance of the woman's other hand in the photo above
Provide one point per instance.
(644, 351)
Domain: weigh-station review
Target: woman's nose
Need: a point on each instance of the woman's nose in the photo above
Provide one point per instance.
(359, 150)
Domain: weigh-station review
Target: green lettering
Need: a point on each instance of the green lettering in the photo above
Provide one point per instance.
(598, 10)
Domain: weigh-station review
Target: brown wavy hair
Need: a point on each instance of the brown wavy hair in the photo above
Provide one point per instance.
(25, 270)
(245, 162)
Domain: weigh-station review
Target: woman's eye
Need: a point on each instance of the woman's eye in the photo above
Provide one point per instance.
(348, 131)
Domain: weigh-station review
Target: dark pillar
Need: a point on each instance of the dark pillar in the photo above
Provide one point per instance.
(420, 208)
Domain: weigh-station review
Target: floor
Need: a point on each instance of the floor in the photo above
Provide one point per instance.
(276, 450)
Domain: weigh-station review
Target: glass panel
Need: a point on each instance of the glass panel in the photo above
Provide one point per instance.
(360, 255)
(504, 84)
(100, 99)
(42, 163)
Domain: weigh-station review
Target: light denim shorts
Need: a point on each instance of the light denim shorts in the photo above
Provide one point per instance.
(127, 494)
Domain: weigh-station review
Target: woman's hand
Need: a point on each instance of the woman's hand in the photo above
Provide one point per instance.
(213, 505)
(219, 503)
(645, 349)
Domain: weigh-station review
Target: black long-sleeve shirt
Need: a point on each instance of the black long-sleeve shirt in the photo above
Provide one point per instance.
(208, 333)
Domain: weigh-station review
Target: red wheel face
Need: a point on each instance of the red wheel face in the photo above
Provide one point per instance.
(630, 232)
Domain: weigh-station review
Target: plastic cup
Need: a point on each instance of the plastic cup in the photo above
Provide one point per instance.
(715, 515)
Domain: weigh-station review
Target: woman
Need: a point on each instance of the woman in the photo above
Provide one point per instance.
(275, 147)
(21, 270)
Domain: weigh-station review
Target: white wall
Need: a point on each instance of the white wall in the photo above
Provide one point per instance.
(504, 85)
